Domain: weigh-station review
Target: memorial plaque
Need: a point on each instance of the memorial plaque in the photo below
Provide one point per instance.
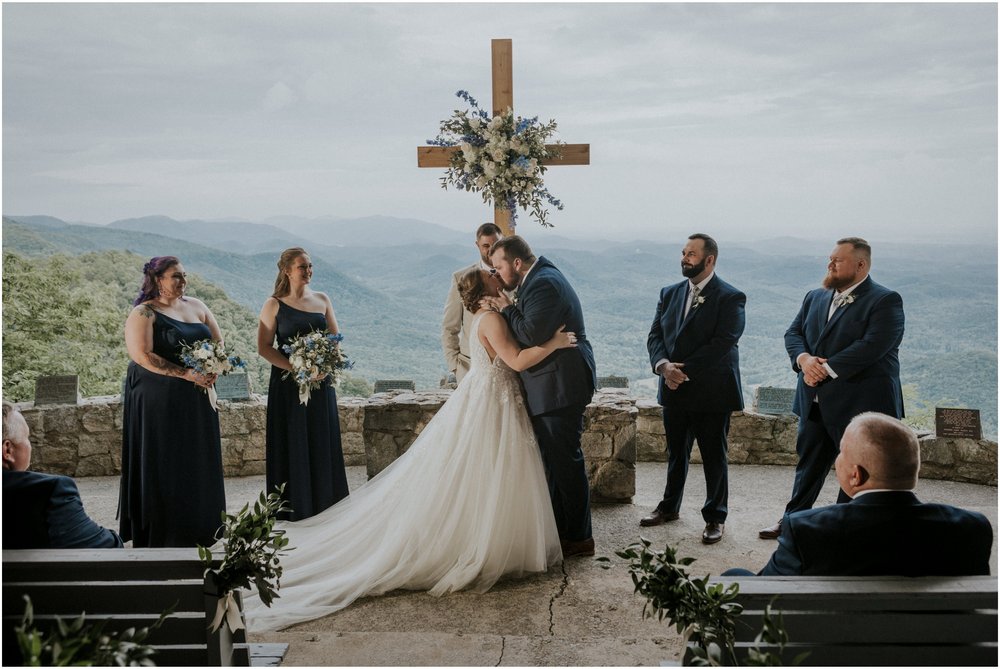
(233, 387)
(961, 423)
(386, 385)
(612, 382)
(57, 390)
(774, 400)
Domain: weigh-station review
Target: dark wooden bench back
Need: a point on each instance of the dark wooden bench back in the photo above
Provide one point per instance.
(128, 588)
(880, 621)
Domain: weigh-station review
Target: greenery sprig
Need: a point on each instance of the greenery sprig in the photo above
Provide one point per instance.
(77, 644)
(704, 614)
(252, 548)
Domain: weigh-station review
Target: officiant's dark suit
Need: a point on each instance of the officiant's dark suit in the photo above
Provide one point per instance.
(859, 339)
(883, 533)
(557, 389)
(705, 341)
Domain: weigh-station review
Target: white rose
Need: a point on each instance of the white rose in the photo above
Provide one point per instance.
(475, 123)
(499, 154)
(481, 182)
(490, 170)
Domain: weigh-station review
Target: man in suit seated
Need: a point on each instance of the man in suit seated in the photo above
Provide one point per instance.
(884, 530)
(42, 510)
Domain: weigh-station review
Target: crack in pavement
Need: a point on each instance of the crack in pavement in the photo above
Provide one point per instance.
(552, 602)
(503, 646)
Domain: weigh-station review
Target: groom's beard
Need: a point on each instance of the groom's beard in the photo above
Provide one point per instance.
(518, 277)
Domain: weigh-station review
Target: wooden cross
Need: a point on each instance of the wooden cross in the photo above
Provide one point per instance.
(503, 97)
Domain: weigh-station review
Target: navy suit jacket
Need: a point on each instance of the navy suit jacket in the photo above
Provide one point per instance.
(883, 534)
(568, 376)
(706, 341)
(45, 511)
(861, 344)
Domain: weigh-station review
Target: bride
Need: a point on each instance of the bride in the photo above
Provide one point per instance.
(465, 505)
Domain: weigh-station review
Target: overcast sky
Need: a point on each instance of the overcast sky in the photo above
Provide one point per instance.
(738, 120)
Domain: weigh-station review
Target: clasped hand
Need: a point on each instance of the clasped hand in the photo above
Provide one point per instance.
(673, 375)
(813, 370)
(203, 380)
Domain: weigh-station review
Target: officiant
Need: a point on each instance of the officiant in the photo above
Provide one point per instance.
(457, 319)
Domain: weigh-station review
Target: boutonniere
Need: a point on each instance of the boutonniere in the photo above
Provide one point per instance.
(844, 300)
(698, 301)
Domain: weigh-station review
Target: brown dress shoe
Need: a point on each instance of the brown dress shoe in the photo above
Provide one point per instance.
(772, 532)
(583, 548)
(658, 518)
(713, 533)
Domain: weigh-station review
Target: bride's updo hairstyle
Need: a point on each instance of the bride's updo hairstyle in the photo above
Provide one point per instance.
(282, 286)
(152, 271)
(472, 288)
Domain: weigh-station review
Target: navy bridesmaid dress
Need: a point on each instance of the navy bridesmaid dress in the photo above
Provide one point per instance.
(172, 489)
(303, 441)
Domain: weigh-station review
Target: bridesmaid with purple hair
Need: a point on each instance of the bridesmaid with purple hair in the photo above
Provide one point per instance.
(172, 491)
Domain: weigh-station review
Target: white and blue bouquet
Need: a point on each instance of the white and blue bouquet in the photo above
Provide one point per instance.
(499, 157)
(208, 356)
(314, 357)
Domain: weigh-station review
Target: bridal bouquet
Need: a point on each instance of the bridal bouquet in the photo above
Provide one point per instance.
(314, 357)
(207, 356)
(500, 157)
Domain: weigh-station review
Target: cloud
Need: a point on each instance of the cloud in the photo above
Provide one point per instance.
(278, 97)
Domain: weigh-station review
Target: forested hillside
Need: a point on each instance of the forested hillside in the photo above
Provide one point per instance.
(389, 297)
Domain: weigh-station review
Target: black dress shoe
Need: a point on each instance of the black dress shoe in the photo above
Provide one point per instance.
(583, 548)
(713, 533)
(772, 532)
(658, 518)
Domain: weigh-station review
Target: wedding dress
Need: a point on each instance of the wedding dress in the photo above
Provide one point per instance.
(465, 505)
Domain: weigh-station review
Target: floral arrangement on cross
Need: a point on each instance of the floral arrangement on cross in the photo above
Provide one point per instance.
(500, 157)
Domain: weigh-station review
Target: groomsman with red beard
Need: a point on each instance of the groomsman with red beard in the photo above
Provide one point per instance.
(844, 344)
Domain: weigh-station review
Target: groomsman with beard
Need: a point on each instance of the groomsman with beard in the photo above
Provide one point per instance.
(844, 344)
(559, 388)
(457, 319)
(693, 348)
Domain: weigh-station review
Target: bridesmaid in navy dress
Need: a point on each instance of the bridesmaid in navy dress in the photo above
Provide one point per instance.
(303, 441)
(172, 491)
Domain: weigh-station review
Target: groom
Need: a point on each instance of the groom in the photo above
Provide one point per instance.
(559, 388)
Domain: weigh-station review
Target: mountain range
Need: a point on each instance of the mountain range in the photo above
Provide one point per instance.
(388, 279)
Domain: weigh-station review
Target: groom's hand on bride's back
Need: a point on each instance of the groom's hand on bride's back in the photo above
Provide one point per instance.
(564, 339)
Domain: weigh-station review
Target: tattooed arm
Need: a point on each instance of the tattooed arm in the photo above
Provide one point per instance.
(139, 342)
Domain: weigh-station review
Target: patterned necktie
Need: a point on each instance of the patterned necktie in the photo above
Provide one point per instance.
(695, 291)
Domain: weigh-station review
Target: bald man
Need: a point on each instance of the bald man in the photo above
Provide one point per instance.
(42, 510)
(884, 530)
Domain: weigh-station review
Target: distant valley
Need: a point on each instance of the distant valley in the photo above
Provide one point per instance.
(388, 279)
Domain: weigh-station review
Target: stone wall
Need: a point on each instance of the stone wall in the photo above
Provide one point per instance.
(85, 439)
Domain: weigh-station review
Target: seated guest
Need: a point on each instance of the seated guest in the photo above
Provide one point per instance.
(42, 510)
(884, 530)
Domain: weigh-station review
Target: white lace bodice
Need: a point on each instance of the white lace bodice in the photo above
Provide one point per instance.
(493, 371)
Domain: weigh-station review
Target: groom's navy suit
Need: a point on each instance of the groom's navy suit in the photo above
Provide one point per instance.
(557, 389)
(888, 533)
(706, 342)
(861, 344)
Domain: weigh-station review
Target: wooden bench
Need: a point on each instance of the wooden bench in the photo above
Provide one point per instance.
(129, 588)
(879, 621)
